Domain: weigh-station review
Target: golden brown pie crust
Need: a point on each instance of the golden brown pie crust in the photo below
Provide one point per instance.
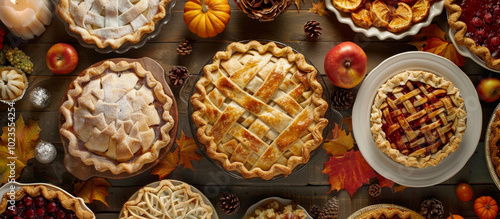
(311, 117)
(494, 142)
(388, 213)
(461, 28)
(457, 110)
(101, 162)
(67, 201)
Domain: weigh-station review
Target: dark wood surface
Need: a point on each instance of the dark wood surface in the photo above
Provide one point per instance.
(308, 186)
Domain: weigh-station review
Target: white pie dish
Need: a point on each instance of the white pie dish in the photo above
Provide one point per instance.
(382, 34)
(283, 201)
(410, 176)
(489, 163)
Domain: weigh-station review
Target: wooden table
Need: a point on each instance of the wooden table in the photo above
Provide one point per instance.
(308, 186)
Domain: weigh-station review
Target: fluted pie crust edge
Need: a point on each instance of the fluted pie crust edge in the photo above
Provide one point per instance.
(389, 213)
(494, 139)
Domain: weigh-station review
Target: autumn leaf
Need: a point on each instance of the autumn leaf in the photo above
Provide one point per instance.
(187, 151)
(399, 188)
(319, 8)
(432, 39)
(297, 2)
(384, 182)
(95, 188)
(17, 155)
(348, 172)
(341, 142)
(348, 122)
(167, 165)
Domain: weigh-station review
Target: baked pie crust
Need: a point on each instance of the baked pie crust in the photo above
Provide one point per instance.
(112, 22)
(389, 213)
(455, 11)
(259, 109)
(495, 142)
(418, 118)
(116, 117)
(68, 202)
(167, 201)
(13, 83)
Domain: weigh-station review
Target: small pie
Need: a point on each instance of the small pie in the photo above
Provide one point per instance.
(112, 22)
(39, 202)
(116, 117)
(13, 83)
(418, 118)
(167, 201)
(389, 213)
(274, 209)
(259, 109)
(495, 142)
(477, 27)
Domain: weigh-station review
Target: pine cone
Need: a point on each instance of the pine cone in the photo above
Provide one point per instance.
(263, 10)
(330, 209)
(431, 209)
(178, 75)
(374, 190)
(314, 210)
(184, 48)
(342, 99)
(229, 203)
(312, 29)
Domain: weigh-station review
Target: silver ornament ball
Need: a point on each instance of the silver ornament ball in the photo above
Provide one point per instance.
(39, 97)
(45, 152)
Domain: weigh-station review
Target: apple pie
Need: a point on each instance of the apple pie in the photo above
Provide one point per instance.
(116, 117)
(259, 109)
(418, 118)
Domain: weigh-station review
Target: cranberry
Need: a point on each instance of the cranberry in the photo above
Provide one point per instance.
(40, 212)
(13, 211)
(51, 207)
(496, 9)
(488, 18)
(477, 22)
(60, 214)
(495, 41)
(28, 201)
(48, 217)
(20, 205)
(30, 213)
(16, 217)
(70, 215)
(40, 201)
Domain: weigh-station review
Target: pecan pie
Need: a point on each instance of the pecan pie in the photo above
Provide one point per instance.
(116, 117)
(418, 118)
(167, 201)
(495, 142)
(477, 27)
(259, 109)
(112, 22)
(40, 202)
(389, 213)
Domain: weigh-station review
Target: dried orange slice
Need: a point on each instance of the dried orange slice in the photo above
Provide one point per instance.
(420, 10)
(401, 20)
(361, 17)
(347, 5)
(380, 14)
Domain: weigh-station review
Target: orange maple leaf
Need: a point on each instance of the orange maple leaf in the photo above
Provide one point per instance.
(167, 165)
(432, 39)
(348, 122)
(318, 8)
(297, 2)
(187, 151)
(348, 172)
(399, 188)
(384, 182)
(95, 188)
(17, 155)
(341, 142)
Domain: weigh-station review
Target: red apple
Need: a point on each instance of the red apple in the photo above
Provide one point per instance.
(62, 58)
(488, 89)
(345, 65)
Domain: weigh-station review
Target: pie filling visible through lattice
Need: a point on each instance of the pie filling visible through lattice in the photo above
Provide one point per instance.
(259, 109)
(418, 118)
(117, 117)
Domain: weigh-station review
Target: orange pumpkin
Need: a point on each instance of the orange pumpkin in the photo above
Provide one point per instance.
(207, 18)
(486, 207)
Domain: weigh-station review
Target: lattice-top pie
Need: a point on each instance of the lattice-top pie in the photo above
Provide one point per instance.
(259, 109)
(389, 213)
(112, 22)
(167, 200)
(418, 118)
(116, 117)
(495, 142)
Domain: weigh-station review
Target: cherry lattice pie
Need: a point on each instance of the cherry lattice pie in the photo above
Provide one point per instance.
(259, 109)
(418, 118)
(116, 117)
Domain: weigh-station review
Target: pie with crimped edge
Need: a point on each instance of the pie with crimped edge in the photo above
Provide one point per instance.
(477, 27)
(72, 205)
(418, 118)
(116, 117)
(167, 200)
(389, 213)
(112, 22)
(495, 142)
(259, 109)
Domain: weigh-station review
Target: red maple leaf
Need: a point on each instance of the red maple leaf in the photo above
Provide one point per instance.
(348, 172)
(384, 182)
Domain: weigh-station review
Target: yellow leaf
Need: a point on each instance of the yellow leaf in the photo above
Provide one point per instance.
(167, 165)
(297, 2)
(399, 188)
(341, 142)
(187, 153)
(319, 8)
(95, 188)
(17, 155)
